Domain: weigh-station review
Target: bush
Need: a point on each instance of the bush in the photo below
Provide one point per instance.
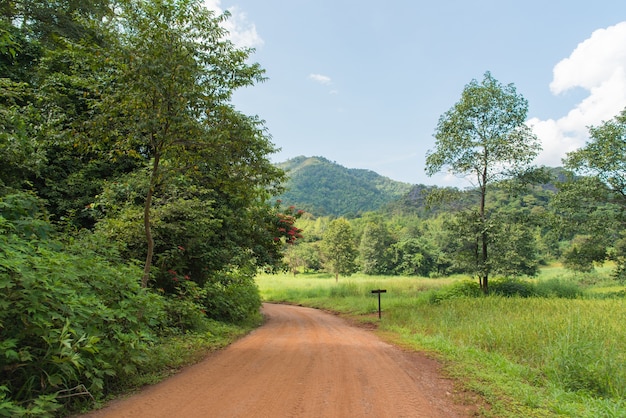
(512, 287)
(68, 316)
(185, 310)
(232, 296)
(464, 288)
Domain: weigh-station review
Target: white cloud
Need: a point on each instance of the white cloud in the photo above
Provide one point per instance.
(597, 65)
(319, 78)
(241, 32)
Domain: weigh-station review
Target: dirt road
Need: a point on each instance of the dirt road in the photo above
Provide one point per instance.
(301, 363)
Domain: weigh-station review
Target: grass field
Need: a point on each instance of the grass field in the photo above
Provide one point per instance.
(527, 357)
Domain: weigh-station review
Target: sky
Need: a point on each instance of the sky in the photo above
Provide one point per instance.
(363, 83)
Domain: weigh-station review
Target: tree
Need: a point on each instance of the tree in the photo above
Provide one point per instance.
(603, 163)
(413, 257)
(339, 248)
(604, 156)
(513, 241)
(173, 76)
(583, 252)
(374, 248)
(484, 135)
(41, 63)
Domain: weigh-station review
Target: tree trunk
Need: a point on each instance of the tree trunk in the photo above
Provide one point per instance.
(146, 222)
(484, 235)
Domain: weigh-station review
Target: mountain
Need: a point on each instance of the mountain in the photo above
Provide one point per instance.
(323, 188)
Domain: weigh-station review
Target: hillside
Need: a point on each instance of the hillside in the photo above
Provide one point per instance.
(323, 188)
(416, 200)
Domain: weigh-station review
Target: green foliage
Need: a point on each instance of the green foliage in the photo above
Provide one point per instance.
(511, 287)
(604, 156)
(373, 248)
(68, 315)
(413, 257)
(465, 288)
(173, 74)
(185, 307)
(584, 251)
(74, 313)
(20, 153)
(303, 256)
(232, 296)
(485, 136)
(339, 248)
(513, 246)
(618, 254)
(599, 197)
(559, 288)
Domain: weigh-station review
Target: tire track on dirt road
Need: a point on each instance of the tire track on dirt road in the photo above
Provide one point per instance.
(301, 363)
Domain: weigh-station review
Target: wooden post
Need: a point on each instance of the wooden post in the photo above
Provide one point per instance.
(379, 291)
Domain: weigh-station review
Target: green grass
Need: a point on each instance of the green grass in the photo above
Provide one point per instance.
(527, 357)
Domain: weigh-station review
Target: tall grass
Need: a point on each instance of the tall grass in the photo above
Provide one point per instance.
(526, 356)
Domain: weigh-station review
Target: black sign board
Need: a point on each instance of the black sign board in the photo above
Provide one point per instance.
(379, 291)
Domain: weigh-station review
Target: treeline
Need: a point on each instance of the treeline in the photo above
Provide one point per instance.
(135, 200)
(575, 220)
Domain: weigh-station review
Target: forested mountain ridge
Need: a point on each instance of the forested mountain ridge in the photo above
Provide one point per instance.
(323, 188)
(415, 201)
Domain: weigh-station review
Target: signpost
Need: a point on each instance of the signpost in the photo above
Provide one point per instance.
(379, 291)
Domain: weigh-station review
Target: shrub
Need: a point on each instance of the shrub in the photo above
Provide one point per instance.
(68, 316)
(185, 310)
(512, 287)
(232, 296)
(464, 288)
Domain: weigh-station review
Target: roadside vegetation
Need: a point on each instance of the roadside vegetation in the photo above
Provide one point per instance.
(135, 200)
(137, 205)
(547, 346)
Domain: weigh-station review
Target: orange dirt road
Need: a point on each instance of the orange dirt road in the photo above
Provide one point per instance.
(302, 363)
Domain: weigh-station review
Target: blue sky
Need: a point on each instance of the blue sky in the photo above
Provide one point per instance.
(363, 83)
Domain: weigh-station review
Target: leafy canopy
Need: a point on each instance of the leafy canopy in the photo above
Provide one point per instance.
(484, 134)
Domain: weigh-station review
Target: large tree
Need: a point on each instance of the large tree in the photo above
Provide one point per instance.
(174, 73)
(484, 137)
(603, 163)
(604, 156)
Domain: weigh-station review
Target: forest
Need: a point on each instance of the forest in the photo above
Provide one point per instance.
(137, 204)
(135, 200)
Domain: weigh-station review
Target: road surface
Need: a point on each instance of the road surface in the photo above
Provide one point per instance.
(302, 363)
